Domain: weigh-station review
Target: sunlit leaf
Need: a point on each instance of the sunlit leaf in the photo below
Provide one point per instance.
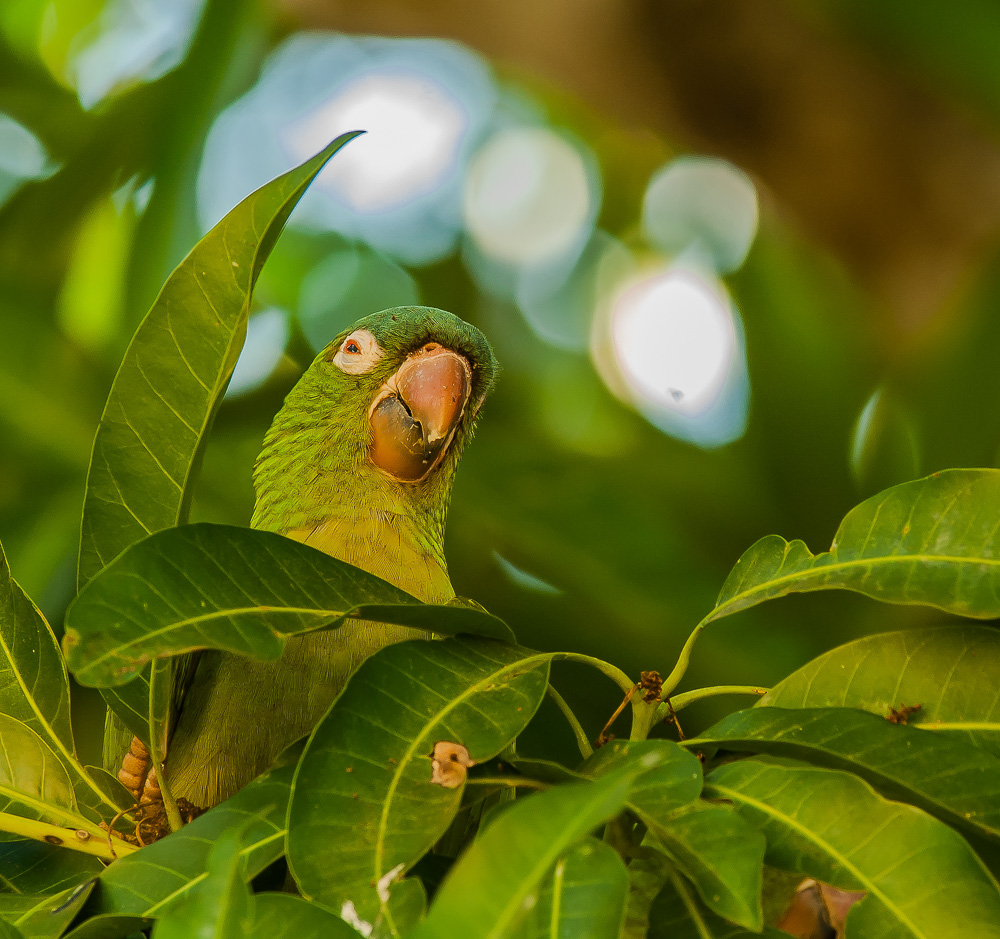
(365, 804)
(221, 905)
(34, 692)
(496, 881)
(33, 781)
(582, 896)
(946, 777)
(284, 916)
(933, 541)
(237, 589)
(175, 371)
(43, 917)
(921, 878)
(948, 671)
(155, 879)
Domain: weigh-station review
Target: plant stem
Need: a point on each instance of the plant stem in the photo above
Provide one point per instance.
(615, 674)
(581, 737)
(76, 839)
(689, 697)
(674, 678)
(511, 781)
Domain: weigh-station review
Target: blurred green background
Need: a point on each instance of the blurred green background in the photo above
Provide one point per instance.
(738, 259)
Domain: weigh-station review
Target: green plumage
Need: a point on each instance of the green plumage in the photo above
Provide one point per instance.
(316, 483)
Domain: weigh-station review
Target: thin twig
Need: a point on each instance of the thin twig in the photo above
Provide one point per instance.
(511, 781)
(581, 735)
(601, 737)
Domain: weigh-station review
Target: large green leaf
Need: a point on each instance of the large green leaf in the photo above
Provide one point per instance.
(43, 917)
(583, 896)
(160, 876)
(364, 806)
(221, 587)
(933, 541)
(920, 876)
(949, 671)
(33, 867)
(677, 913)
(221, 905)
(674, 783)
(175, 371)
(283, 916)
(721, 854)
(944, 776)
(492, 886)
(34, 692)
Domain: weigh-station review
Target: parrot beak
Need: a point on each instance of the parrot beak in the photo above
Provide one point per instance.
(414, 415)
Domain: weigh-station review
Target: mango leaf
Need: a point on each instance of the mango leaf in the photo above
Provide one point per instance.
(721, 854)
(946, 777)
(675, 782)
(237, 589)
(283, 916)
(583, 896)
(174, 373)
(44, 917)
(109, 926)
(406, 907)
(921, 878)
(33, 782)
(152, 881)
(933, 541)
(677, 913)
(34, 693)
(33, 867)
(949, 671)
(496, 882)
(365, 806)
(221, 905)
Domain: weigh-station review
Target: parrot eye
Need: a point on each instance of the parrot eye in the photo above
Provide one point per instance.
(358, 353)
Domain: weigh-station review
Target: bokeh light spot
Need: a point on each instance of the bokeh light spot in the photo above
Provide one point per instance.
(529, 197)
(267, 336)
(703, 209)
(412, 131)
(22, 156)
(677, 354)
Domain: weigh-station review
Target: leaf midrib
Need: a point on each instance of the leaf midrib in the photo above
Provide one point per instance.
(815, 839)
(840, 566)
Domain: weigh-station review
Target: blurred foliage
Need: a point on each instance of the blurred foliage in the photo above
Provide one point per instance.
(634, 530)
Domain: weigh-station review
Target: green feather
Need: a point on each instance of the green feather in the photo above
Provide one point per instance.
(315, 483)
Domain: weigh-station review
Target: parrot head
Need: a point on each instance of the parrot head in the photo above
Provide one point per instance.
(375, 428)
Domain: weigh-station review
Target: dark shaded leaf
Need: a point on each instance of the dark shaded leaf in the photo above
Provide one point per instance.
(946, 777)
(33, 867)
(283, 916)
(236, 589)
(44, 917)
(155, 879)
(494, 884)
(933, 541)
(583, 897)
(721, 854)
(220, 906)
(364, 806)
(920, 876)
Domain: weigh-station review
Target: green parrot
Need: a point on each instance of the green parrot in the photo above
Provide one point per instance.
(359, 463)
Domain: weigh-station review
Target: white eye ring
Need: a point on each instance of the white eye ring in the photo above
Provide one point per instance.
(358, 353)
